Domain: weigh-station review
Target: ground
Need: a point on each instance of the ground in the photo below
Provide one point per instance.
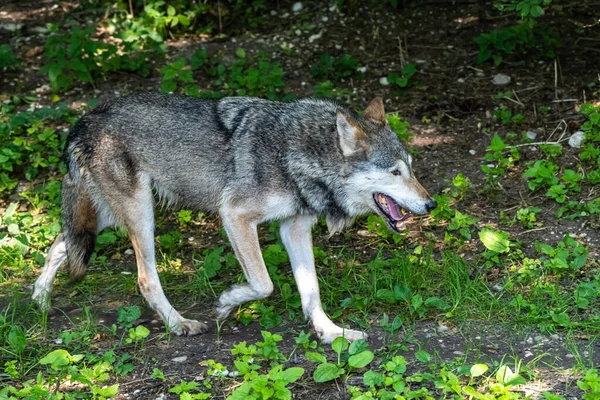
(508, 307)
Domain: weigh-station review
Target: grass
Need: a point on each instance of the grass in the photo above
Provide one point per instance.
(452, 308)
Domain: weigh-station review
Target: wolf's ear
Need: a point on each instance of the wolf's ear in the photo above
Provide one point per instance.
(375, 111)
(352, 136)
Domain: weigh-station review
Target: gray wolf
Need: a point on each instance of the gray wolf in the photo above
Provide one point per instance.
(247, 159)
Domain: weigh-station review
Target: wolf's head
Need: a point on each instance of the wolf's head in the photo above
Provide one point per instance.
(380, 176)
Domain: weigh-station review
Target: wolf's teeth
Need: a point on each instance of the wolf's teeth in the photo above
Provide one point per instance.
(383, 200)
(403, 211)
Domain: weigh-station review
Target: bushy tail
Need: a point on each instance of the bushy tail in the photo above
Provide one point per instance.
(80, 222)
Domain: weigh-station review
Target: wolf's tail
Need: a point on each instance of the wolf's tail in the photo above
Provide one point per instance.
(80, 219)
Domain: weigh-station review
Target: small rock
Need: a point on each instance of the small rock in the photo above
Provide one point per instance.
(273, 13)
(129, 252)
(362, 70)
(338, 46)
(39, 29)
(298, 32)
(11, 26)
(314, 37)
(458, 353)
(420, 61)
(497, 288)
(539, 339)
(297, 7)
(125, 272)
(527, 354)
(460, 80)
(285, 15)
(529, 340)
(577, 139)
(58, 341)
(442, 328)
(501, 79)
(179, 359)
(531, 135)
(324, 18)
(383, 81)
(472, 152)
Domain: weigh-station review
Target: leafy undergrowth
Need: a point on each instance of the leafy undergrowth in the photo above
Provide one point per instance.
(457, 267)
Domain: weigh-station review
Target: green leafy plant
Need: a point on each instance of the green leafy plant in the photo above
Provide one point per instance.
(336, 68)
(7, 57)
(404, 78)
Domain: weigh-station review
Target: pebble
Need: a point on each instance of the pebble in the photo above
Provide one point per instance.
(501, 79)
(314, 37)
(58, 341)
(361, 70)
(324, 18)
(179, 359)
(472, 152)
(297, 7)
(125, 272)
(383, 81)
(460, 80)
(527, 354)
(529, 340)
(576, 139)
(531, 135)
(129, 252)
(420, 61)
(497, 288)
(298, 32)
(442, 328)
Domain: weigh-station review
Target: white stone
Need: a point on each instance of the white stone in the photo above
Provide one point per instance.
(501, 79)
(472, 152)
(324, 18)
(577, 139)
(383, 81)
(442, 328)
(179, 359)
(129, 252)
(361, 70)
(314, 37)
(125, 272)
(298, 32)
(297, 7)
(531, 135)
(460, 80)
(527, 354)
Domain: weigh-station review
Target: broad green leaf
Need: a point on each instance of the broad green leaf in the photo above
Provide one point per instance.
(495, 240)
(292, 374)
(56, 359)
(327, 372)
(339, 344)
(423, 356)
(357, 346)
(478, 370)
(372, 378)
(361, 359)
(318, 357)
(16, 339)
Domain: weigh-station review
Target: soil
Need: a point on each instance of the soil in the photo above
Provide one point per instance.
(450, 110)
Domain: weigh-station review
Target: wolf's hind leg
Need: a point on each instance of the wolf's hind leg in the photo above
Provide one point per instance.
(136, 211)
(242, 233)
(43, 285)
(296, 236)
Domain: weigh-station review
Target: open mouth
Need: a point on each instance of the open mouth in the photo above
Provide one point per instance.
(396, 216)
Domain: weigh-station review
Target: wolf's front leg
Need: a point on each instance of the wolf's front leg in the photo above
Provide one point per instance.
(242, 232)
(297, 238)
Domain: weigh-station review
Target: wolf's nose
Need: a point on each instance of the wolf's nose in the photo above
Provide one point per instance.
(430, 205)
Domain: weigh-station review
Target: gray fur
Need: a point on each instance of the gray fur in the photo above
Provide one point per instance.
(250, 160)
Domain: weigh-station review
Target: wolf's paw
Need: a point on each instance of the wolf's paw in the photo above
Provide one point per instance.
(223, 310)
(189, 327)
(351, 335)
(42, 298)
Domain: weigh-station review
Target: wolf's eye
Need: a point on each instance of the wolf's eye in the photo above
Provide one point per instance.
(396, 172)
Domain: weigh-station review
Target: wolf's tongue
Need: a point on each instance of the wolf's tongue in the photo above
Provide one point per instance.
(393, 208)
